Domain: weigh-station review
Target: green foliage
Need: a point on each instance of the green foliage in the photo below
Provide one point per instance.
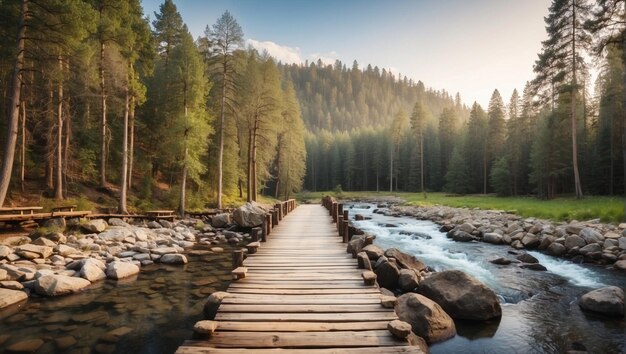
(500, 176)
(457, 176)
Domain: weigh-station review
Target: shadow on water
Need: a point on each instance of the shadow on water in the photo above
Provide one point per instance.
(540, 312)
(153, 312)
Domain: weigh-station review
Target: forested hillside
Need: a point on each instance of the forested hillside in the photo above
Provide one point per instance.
(335, 98)
(371, 131)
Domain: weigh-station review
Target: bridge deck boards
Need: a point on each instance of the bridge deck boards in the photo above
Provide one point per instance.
(302, 294)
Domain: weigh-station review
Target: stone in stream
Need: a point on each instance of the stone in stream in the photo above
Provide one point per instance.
(591, 235)
(173, 258)
(357, 243)
(500, 261)
(213, 303)
(620, 265)
(250, 214)
(404, 260)
(25, 346)
(534, 266)
(607, 301)
(388, 301)
(492, 237)
(527, 258)
(590, 248)
(115, 234)
(11, 285)
(54, 285)
(164, 250)
(427, 319)
(42, 241)
(574, 241)
(461, 295)
(530, 241)
(114, 336)
(9, 297)
(119, 270)
(204, 328)
(387, 275)
(65, 342)
(5, 251)
(4, 274)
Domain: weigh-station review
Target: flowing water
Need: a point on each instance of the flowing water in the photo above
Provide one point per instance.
(540, 312)
(153, 312)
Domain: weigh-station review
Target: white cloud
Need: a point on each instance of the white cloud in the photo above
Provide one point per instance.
(327, 58)
(285, 54)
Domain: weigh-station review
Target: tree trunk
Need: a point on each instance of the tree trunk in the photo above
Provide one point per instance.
(254, 148)
(58, 190)
(624, 119)
(103, 121)
(249, 168)
(122, 208)
(485, 170)
(577, 187)
(183, 185)
(23, 146)
(12, 124)
(391, 169)
(422, 164)
(220, 158)
(68, 136)
(131, 145)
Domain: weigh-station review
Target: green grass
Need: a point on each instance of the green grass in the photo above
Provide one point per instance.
(607, 209)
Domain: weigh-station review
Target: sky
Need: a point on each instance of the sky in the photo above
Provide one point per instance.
(466, 46)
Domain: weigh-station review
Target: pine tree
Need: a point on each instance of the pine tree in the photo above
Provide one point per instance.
(496, 126)
(456, 177)
(418, 123)
(476, 148)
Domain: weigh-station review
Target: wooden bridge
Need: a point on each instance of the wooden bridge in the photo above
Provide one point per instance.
(302, 293)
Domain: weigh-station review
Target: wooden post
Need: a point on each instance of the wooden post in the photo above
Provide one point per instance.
(279, 212)
(339, 209)
(340, 225)
(345, 232)
(333, 211)
(345, 215)
(254, 234)
(268, 218)
(264, 229)
(237, 258)
(274, 214)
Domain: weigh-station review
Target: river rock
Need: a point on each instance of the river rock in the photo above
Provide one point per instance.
(556, 249)
(363, 261)
(54, 285)
(31, 251)
(404, 260)
(527, 258)
(530, 241)
(461, 236)
(620, 265)
(94, 226)
(501, 261)
(164, 250)
(461, 295)
(65, 342)
(220, 220)
(11, 285)
(174, 258)
(92, 271)
(119, 270)
(4, 274)
(205, 328)
(55, 223)
(622, 243)
(118, 222)
(427, 319)
(608, 301)
(590, 248)
(357, 243)
(591, 235)
(573, 228)
(399, 329)
(25, 346)
(115, 234)
(9, 297)
(42, 241)
(250, 214)
(387, 275)
(5, 251)
(373, 252)
(213, 303)
(574, 241)
(534, 266)
(492, 237)
(408, 280)
(466, 227)
(64, 250)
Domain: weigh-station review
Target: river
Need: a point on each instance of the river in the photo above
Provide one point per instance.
(540, 312)
(153, 312)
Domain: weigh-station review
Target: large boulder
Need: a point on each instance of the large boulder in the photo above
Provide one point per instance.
(427, 319)
(54, 285)
(492, 237)
(250, 214)
(115, 234)
(213, 303)
(556, 249)
(408, 280)
(574, 241)
(357, 243)
(31, 251)
(461, 296)
(404, 260)
(607, 301)
(373, 252)
(94, 226)
(530, 241)
(220, 220)
(119, 270)
(591, 235)
(9, 297)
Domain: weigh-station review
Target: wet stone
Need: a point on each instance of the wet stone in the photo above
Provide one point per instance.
(63, 343)
(25, 346)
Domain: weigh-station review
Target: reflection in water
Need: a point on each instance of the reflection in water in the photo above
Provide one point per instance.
(150, 313)
(540, 312)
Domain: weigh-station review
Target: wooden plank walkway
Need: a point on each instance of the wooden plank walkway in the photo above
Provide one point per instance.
(302, 294)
